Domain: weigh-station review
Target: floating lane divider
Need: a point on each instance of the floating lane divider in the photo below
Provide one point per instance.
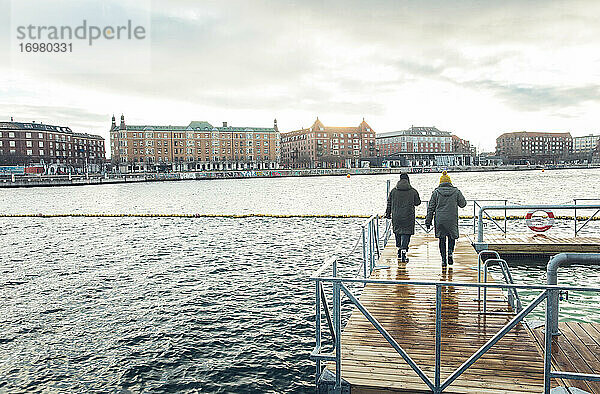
(239, 216)
(174, 215)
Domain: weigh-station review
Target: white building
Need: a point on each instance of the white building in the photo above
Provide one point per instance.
(585, 143)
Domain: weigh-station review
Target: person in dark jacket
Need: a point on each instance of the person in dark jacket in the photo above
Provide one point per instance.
(401, 209)
(443, 205)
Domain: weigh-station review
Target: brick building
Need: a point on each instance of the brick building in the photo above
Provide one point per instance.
(195, 147)
(534, 148)
(321, 146)
(423, 146)
(56, 148)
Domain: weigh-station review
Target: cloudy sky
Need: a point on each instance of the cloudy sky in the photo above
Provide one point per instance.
(475, 68)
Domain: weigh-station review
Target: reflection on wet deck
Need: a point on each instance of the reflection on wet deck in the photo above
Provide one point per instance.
(370, 364)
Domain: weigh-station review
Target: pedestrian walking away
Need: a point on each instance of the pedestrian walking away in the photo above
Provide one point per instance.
(443, 210)
(401, 209)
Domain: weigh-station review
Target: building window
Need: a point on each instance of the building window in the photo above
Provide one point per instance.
(29, 152)
(41, 152)
(12, 144)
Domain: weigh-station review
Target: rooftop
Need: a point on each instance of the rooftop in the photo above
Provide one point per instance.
(416, 131)
(33, 126)
(198, 126)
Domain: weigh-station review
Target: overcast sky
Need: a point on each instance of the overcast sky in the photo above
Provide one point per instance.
(475, 68)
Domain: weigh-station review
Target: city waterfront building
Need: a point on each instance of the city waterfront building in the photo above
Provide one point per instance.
(199, 146)
(423, 146)
(586, 143)
(55, 148)
(534, 148)
(321, 146)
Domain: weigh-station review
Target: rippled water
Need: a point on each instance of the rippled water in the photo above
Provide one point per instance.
(211, 305)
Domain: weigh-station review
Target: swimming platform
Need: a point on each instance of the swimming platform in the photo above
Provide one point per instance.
(515, 364)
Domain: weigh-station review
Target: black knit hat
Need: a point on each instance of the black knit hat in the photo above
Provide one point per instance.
(404, 176)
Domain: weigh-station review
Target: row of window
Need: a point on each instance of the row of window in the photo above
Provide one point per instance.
(215, 151)
(156, 135)
(57, 137)
(159, 159)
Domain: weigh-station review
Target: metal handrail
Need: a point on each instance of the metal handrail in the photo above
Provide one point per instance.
(548, 292)
(552, 277)
(513, 294)
(484, 209)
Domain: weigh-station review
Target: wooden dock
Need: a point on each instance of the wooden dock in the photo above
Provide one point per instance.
(371, 365)
(537, 245)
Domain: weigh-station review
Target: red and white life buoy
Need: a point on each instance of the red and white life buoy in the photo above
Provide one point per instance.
(539, 228)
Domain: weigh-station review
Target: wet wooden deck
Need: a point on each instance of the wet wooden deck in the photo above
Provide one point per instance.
(541, 245)
(577, 349)
(370, 364)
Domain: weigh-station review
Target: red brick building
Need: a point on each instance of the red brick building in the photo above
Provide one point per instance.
(57, 148)
(534, 148)
(321, 146)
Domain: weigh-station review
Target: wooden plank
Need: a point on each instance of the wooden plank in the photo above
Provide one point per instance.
(562, 358)
(369, 362)
(586, 361)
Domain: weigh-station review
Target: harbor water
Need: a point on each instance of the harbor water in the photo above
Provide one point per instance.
(206, 304)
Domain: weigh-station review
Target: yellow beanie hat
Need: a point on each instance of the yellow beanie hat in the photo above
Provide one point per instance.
(445, 178)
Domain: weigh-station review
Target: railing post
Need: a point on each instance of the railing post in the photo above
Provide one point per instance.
(438, 335)
(338, 336)
(335, 268)
(377, 234)
(387, 192)
(505, 219)
(373, 246)
(548, 344)
(575, 216)
(480, 226)
(364, 251)
(318, 327)
(474, 205)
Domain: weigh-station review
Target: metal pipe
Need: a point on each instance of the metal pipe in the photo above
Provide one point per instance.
(515, 320)
(483, 209)
(547, 345)
(505, 218)
(364, 252)
(552, 278)
(438, 335)
(576, 376)
(586, 222)
(457, 284)
(479, 268)
(318, 289)
(338, 335)
(575, 216)
(327, 315)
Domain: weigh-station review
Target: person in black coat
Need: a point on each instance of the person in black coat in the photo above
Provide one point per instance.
(401, 209)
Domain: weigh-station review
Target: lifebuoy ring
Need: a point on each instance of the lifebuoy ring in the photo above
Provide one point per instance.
(539, 229)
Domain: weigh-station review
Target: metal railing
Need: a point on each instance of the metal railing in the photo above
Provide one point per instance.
(484, 211)
(549, 293)
(513, 298)
(588, 219)
(552, 278)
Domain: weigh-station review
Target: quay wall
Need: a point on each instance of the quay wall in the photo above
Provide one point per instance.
(80, 180)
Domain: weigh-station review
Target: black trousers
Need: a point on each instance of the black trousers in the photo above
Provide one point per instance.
(450, 244)
(402, 240)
